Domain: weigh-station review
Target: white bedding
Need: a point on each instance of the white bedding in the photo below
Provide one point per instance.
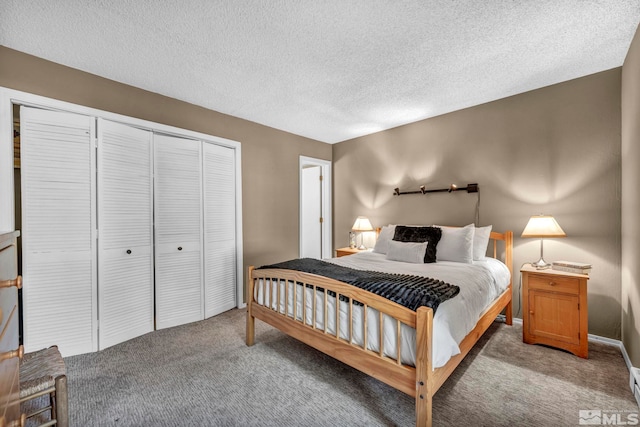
(480, 284)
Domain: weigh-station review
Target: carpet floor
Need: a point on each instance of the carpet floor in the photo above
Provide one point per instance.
(203, 374)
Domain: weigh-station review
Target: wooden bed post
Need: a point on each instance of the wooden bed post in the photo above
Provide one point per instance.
(251, 321)
(424, 377)
(508, 260)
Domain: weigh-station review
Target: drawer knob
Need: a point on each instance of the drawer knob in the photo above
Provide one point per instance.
(552, 283)
(531, 312)
(128, 251)
(19, 353)
(17, 282)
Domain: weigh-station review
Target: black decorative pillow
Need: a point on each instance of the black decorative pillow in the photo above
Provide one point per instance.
(431, 235)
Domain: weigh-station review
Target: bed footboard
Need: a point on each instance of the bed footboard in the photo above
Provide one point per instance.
(314, 320)
(299, 304)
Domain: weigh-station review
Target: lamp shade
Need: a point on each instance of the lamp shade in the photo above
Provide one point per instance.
(543, 226)
(362, 224)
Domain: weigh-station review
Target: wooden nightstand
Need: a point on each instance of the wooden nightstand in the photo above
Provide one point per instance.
(348, 251)
(555, 312)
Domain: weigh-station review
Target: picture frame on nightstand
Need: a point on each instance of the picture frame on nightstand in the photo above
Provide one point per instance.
(352, 240)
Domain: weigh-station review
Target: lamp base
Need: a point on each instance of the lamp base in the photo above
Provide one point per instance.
(361, 247)
(541, 264)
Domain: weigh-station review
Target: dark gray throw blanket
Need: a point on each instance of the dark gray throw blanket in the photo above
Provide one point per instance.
(407, 290)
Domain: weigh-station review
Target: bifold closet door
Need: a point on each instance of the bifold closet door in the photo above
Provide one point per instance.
(57, 158)
(178, 230)
(125, 233)
(219, 228)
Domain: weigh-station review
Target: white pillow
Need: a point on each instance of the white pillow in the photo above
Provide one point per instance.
(456, 244)
(385, 236)
(407, 251)
(481, 242)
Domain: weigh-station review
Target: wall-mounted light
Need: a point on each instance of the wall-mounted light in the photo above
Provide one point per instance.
(470, 188)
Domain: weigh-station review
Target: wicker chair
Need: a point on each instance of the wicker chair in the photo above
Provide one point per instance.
(43, 373)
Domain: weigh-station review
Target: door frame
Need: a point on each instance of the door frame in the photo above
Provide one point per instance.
(327, 244)
(8, 97)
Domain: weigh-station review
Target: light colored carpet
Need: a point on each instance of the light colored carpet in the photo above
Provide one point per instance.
(202, 374)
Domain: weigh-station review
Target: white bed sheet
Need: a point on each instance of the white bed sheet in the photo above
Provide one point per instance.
(480, 284)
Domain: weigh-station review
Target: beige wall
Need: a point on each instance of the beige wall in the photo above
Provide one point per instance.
(555, 150)
(269, 156)
(631, 201)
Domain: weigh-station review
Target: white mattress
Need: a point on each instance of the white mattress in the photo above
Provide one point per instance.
(480, 284)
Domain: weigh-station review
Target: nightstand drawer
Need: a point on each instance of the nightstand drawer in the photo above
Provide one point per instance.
(340, 253)
(551, 283)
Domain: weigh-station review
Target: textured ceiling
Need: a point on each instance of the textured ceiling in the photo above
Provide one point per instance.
(330, 70)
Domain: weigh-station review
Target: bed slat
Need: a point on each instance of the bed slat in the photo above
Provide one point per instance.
(314, 307)
(381, 330)
(366, 330)
(398, 346)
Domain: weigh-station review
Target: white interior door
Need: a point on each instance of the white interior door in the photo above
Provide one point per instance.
(125, 241)
(311, 212)
(218, 168)
(57, 158)
(178, 230)
(312, 229)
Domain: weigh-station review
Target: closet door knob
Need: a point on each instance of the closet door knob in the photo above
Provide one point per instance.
(128, 251)
(179, 248)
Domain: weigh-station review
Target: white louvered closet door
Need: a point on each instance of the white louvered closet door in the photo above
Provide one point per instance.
(58, 231)
(178, 231)
(219, 228)
(125, 239)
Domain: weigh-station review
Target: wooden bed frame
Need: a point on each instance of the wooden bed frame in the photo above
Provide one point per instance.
(421, 381)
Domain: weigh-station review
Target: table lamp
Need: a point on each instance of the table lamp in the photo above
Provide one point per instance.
(362, 224)
(542, 227)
